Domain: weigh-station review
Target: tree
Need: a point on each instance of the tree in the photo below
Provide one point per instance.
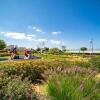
(54, 51)
(46, 49)
(2, 44)
(83, 49)
(63, 48)
(38, 50)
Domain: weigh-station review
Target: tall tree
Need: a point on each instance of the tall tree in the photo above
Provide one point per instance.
(2, 44)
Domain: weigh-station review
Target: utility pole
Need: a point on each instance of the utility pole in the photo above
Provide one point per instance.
(91, 46)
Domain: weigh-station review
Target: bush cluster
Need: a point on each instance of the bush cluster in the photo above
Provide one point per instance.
(14, 88)
(24, 69)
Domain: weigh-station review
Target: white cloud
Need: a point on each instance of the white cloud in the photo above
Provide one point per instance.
(23, 36)
(37, 29)
(31, 35)
(19, 36)
(33, 40)
(40, 30)
(55, 33)
(42, 40)
(39, 40)
(56, 42)
(2, 32)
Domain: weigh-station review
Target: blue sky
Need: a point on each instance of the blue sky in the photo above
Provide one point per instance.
(69, 22)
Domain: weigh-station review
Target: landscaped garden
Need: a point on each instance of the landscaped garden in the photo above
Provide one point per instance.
(60, 79)
(56, 76)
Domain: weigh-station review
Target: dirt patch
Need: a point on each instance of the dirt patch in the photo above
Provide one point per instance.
(40, 89)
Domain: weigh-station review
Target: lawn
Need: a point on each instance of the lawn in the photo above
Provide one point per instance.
(5, 57)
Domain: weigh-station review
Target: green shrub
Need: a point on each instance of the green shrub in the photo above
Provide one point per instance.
(72, 87)
(35, 69)
(10, 70)
(82, 64)
(95, 63)
(31, 72)
(16, 89)
(4, 79)
(32, 69)
(25, 70)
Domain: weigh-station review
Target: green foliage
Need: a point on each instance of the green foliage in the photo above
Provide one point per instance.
(38, 50)
(34, 69)
(21, 69)
(70, 79)
(13, 88)
(4, 54)
(95, 62)
(55, 51)
(83, 49)
(72, 87)
(63, 48)
(83, 64)
(46, 49)
(4, 79)
(2, 44)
